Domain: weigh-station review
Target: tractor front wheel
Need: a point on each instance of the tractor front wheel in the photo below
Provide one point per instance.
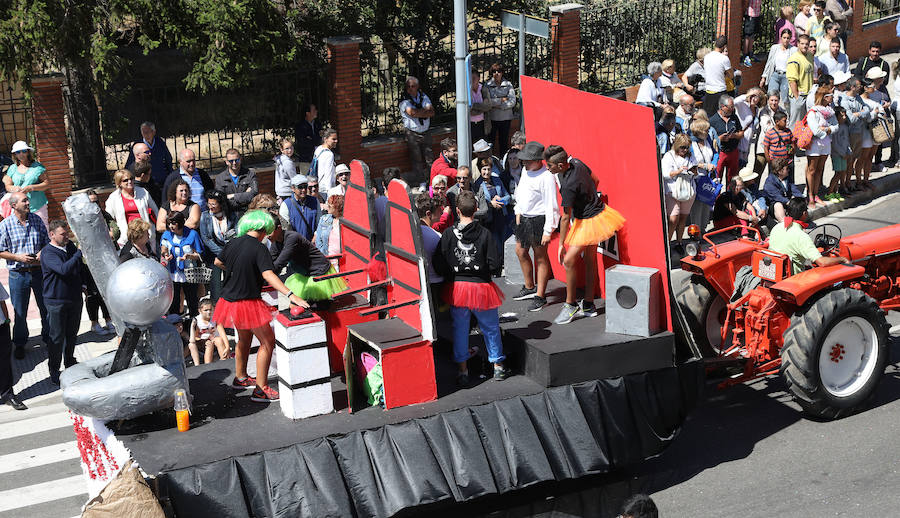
(705, 312)
(835, 352)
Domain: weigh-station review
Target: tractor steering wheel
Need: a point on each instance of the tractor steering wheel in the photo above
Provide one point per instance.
(827, 241)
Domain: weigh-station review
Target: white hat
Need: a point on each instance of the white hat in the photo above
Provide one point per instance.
(747, 174)
(875, 73)
(20, 145)
(300, 179)
(481, 146)
(341, 168)
(841, 77)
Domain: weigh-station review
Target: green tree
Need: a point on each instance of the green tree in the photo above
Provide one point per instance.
(226, 41)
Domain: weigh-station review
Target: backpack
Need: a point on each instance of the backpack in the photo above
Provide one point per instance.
(802, 133)
(314, 166)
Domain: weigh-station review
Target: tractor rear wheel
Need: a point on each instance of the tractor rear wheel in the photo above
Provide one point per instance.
(835, 352)
(705, 311)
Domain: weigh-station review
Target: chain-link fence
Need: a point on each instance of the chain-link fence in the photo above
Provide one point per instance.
(619, 39)
(385, 66)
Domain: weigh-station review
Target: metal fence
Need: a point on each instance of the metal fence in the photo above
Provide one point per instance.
(385, 65)
(16, 122)
(769, 15)
(876, 10)
(618, 40)
(251, 119)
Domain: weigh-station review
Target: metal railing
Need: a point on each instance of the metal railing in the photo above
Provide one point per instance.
(618, 40)
(876, 10)
(385, 66)
(769, 15)
(16, 121)
(251, 119)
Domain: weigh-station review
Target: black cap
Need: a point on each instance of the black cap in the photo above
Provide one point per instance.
(532, 151)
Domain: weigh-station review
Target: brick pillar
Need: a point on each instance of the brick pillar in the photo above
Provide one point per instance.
(51, 141)
(345, 108)
(565, 42)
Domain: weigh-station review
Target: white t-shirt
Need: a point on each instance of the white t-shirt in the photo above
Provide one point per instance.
(536, 195)
(715, 64)
(324, 167)
(670, 162)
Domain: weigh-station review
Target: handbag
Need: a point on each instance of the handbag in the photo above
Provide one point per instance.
(883, 130)
(708, 189)
(803, 133)
(683, 189)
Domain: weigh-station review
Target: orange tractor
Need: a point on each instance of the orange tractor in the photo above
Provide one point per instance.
(823, 329)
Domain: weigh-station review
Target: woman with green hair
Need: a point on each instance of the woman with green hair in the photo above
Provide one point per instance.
(247, 265)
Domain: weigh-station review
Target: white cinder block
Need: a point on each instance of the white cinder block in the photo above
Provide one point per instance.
(302, 365)
(306, 401)
(300, 335)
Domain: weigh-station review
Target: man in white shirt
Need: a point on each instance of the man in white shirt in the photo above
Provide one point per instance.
(416, 111)
(834, 60)
(537, 216)
(717, 68)
(323, 160)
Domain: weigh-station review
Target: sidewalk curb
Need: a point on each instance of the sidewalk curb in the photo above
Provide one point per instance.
(883, 185)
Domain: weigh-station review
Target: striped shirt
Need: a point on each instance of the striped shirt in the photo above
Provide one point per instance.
(17, 238)
(777, 141)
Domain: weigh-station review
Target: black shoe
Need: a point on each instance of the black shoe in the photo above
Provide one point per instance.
(14, 402)
(462, 380)
(71, 362)
(525, 293)
(19, 354)
(501, 372)
(54, 378)
(537, 303)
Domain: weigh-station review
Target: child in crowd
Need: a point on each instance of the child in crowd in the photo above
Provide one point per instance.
(328, 233)
(211, 336)
(468, 257)
(840, 153)
(285, 170)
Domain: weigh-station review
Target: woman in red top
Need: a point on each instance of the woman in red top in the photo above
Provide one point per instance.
(246, 263)
(128, 203)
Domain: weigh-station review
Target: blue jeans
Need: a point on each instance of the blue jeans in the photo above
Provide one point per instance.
(64, 320)
(20, 284)
(488, 322)
(778, 83)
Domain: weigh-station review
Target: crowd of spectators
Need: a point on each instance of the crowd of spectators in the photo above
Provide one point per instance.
(717, 145)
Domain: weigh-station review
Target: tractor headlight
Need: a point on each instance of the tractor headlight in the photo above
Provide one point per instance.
(692, 248)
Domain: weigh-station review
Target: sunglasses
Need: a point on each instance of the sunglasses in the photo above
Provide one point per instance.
(24, 151)
(301, 186)
(234, 161)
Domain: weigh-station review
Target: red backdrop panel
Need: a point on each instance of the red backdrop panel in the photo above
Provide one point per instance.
(617, 141)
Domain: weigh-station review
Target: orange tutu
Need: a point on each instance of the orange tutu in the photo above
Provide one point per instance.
(595, 230)
(243, 314)
(473, 295)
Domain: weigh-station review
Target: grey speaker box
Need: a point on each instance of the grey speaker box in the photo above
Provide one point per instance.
(633, 300)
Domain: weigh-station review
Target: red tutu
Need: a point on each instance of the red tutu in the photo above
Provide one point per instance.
(474, 295)
(243, 314)
(376, 270)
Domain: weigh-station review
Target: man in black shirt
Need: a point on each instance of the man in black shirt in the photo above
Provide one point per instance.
(873, 60)
(307, 135)
(584, 223)
(728, 126)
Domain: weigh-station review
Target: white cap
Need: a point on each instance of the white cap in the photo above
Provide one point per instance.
(875, 73)
(841, 77)
(20, 145)
(300, 179)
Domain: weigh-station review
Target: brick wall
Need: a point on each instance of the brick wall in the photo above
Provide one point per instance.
(565, 38)
(51, 141)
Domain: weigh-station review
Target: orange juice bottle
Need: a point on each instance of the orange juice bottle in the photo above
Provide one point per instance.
(182, 412)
